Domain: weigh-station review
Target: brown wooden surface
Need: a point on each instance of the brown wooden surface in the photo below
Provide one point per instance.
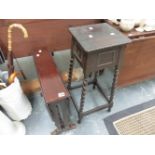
(133, 33)
(139, 58)
(51, 34)
(103, 49)
(50, 80)
(101, 37)
(138, 63)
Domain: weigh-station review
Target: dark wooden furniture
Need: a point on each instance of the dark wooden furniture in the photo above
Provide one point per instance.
(96, 47)
(139, 58)
(53, 90)
(51, 34)
(139, 61)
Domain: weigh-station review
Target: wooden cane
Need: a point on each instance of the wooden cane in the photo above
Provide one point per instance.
(10, 53)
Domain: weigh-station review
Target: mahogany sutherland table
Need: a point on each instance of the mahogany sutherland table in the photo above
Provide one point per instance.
(53, 90)
(96, 47)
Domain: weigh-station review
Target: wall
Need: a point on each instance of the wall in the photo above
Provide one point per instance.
(49, 33)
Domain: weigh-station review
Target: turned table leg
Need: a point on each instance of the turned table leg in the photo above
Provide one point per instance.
(70, 72)
(83, 94)
(114, 83)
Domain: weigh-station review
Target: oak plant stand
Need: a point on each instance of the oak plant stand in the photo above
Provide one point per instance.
(96, 47)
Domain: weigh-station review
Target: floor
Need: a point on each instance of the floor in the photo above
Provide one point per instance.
(39, 123)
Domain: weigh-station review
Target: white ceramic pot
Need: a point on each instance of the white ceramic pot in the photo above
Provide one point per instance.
(14, 101)
(114, 21)
(8, 127)
(127, 24)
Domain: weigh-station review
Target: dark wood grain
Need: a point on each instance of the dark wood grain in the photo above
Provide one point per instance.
(50, 33)
(102, 48)
(98, 36)
(50, 80)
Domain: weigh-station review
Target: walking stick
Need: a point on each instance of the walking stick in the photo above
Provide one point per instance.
(10, 52)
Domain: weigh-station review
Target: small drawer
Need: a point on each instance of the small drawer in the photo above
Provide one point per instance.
(78, 53)
(106, 58)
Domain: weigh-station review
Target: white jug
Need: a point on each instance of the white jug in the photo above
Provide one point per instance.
(14, 101)
(8, 127)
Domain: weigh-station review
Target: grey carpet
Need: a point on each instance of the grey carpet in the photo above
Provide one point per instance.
(114, 117)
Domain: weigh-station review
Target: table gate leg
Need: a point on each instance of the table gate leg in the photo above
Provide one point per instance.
(57, 119)
(66, 112)
(114, 83)
(82, 99)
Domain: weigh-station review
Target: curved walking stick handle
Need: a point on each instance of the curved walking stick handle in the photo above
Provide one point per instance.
(9, 55)
(19, 26)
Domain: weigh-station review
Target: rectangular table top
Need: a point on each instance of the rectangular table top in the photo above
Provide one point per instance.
(51, 83)
(98, 36)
